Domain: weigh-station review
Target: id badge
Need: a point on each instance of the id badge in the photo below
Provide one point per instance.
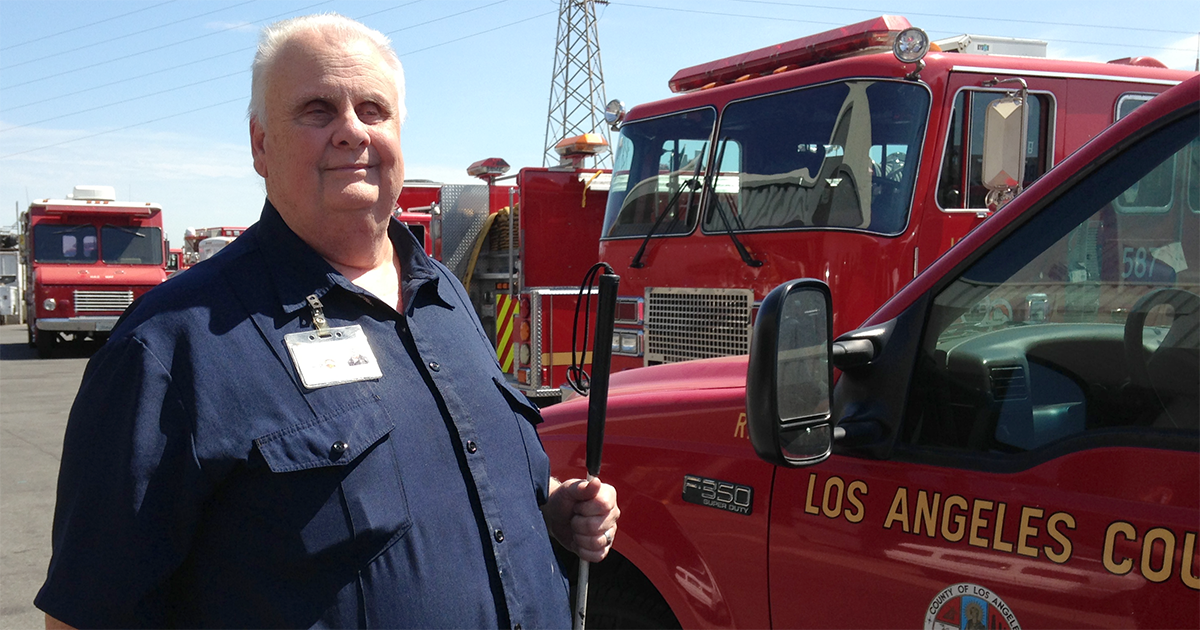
(344, 356)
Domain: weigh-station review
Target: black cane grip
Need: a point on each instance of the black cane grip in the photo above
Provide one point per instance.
(601, 364)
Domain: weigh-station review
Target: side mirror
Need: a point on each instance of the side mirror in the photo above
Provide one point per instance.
(789, 378)
(1005, 135)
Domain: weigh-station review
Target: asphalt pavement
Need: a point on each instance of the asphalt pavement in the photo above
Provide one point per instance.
(35, 398)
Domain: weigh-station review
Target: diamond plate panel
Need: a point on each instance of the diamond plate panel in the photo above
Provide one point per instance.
(464, 209)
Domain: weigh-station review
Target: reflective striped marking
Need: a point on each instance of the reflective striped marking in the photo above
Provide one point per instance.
(507, 308)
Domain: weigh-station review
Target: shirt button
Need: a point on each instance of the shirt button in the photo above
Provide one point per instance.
(433, 365)
(471, 446)
(339, 447)
(499, 536)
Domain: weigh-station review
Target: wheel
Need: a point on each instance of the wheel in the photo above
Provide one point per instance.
(619, 596)
(46, 342)
(1172, 370)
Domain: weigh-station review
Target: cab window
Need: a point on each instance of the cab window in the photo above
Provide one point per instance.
(840, 155)
(961, 183)
(1083, 321)
(56, 243)
(130, 245)
(657, 174)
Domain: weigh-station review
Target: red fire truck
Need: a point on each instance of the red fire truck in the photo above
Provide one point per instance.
(831, 157)
(203, 243)
(1011, 441)
(87, 257)
(522, 269)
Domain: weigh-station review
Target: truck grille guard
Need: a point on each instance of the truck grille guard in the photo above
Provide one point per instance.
(683, 324)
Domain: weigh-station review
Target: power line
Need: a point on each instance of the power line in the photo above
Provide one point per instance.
(138, 124)
(109, 40)
(88, 25)
(413, 52)
(445, 17)
(123, 101)
(774, 18)
(137, 54)
(963, 17)
(243, 98)
(42, 100)
(164, 91)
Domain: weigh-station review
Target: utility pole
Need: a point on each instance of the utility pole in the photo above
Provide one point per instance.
(577, 88)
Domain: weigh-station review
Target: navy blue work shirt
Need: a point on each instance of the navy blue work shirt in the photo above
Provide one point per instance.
(203, 486)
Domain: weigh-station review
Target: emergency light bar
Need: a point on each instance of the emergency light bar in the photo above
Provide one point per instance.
(586, 144)
(876, 33)
(69, 206)
(488, 169)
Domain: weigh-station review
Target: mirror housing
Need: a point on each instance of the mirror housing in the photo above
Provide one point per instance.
(614, 114)
(1005, 135)
(789, 379)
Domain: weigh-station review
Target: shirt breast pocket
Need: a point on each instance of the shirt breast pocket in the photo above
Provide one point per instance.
(526, 416)
(337, 488)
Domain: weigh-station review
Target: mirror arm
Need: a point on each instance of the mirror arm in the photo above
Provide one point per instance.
(857, 432)
(852, 353)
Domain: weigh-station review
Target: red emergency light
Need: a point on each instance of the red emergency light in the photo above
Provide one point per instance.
(489, 169)
(807, 51)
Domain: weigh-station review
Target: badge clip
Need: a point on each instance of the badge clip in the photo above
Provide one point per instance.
(318, 315)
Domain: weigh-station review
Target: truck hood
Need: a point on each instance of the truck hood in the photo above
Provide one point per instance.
(702, 374)
(100, 275)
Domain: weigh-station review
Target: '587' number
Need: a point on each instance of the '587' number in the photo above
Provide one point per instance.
(1137, 263)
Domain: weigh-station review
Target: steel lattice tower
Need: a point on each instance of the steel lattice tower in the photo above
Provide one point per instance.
(577, 87)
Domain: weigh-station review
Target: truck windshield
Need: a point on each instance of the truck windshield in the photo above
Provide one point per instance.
(126, 245)
(656, 161)
(839, 155)
(57, 243)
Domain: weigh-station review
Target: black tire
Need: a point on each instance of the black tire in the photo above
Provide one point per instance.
(620, 597)
(46, 342)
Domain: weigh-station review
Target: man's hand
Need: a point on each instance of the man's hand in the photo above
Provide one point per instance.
(582, 516)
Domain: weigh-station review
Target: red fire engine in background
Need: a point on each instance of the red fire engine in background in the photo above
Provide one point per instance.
(203, 243)
(1012, 440)
(86, 259)
(830, 157)
(520, 249)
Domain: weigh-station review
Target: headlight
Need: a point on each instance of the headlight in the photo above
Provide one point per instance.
(50, 304)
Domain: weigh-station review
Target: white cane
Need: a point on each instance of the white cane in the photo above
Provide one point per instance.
(597, 409)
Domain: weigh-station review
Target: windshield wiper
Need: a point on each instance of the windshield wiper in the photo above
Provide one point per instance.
(693, 183)
(126, 230)
(720, 210)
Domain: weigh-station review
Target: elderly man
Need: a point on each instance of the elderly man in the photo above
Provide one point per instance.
(311, 429)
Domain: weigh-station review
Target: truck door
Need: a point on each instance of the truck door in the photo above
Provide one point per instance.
(956, 203)
(1038, 469)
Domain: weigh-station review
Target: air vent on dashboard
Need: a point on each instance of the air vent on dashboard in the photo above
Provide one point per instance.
(1009, 382)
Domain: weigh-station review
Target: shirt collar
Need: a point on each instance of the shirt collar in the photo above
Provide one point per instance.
(298, 271)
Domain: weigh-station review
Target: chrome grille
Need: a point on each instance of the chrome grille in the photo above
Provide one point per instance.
(686, 324)
(102, 301)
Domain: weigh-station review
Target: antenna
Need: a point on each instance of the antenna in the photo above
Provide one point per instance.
(577, 86)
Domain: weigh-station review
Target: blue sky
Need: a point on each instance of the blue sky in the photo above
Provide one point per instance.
(150, 96)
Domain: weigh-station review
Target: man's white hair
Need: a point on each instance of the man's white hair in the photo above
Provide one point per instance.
(274, 37)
